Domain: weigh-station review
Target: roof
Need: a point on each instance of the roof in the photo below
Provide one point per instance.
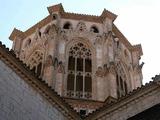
(59, 8)
(133, 95)
(10, 59)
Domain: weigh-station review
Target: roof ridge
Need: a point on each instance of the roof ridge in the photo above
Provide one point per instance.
(82, 14)
(36, 81)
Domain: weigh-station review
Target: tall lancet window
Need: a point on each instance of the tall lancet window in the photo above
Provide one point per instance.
(79, 76)
(121, 87)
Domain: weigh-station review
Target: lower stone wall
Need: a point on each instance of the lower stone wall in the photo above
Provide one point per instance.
(19, 101)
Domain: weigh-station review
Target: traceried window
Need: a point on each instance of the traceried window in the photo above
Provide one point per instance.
(121, 86)
(35, 62)
(79, 80)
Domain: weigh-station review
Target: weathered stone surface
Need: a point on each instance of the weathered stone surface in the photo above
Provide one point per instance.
(19, 101)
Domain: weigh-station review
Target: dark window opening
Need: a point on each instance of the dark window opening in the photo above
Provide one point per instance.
(88, 65)
(34, 69)
(117, 44)
(121, 86)
(67, 26)
(39, 67)
(79, 83)
(121, 83)
(88, 84)
(79, 64)
(54, 16)
(95, 29)
(39, 33)
(82, 113)
(29, 41)
(71, 63)
(70, 82)
(117, 81)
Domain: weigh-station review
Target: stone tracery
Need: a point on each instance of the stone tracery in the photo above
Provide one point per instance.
(81, 27)
(79, 80)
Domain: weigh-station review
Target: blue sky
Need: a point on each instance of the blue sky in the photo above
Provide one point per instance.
(138, 20)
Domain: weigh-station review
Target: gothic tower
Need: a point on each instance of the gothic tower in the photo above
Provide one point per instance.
(84, 58)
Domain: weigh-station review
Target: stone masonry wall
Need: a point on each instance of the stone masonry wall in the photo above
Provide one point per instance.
(19, 101)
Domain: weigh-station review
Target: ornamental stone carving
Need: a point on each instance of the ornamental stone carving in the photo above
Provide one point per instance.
(81, 27)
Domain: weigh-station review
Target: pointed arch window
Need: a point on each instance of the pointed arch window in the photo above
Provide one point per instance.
(121, 86)
(79, 80)
(67, 25)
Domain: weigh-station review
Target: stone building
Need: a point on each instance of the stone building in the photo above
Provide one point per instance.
(74, 66)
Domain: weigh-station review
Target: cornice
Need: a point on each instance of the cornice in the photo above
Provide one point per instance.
(59, 8)
(10, 59)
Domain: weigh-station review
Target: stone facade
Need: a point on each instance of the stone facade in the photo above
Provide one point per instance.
(110, 64)
(19, 101)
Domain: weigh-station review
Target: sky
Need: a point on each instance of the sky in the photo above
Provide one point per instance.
(138, 20)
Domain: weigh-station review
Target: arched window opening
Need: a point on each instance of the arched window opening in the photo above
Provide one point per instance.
(67, 25)
(54, 16)
(39, 33)
(79, 80)
(27, 43)
(39, 67)
(94, 29)
(121, 86)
